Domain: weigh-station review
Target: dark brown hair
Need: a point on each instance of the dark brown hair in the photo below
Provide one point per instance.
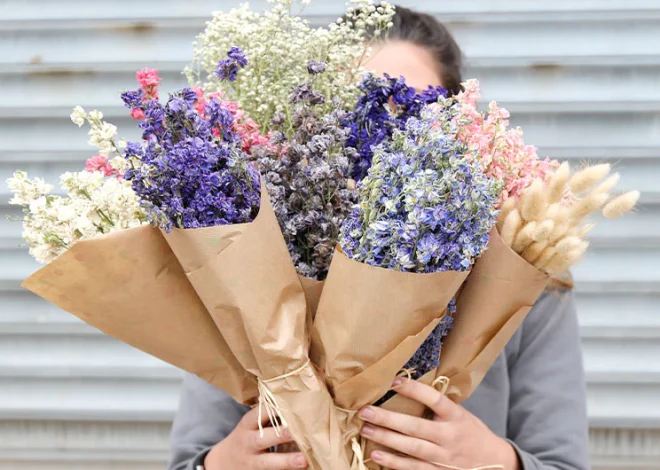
(425, 31)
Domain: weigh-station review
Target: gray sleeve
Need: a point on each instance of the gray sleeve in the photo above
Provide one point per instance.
(206, 416)
(547, 420)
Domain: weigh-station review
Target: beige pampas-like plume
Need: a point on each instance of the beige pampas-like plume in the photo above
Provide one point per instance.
(546, 225)
(545, 257)
(620, 205)
(607, 185)
(557, 183)
(534, 201)
(543, 230)
(506, 207)
(534, 251)
(590, 203)
(524, 237)
(511, 226)
(588, 177)
(561, 262)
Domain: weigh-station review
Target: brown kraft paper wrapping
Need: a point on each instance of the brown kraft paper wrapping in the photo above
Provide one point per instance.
(369, 323)
(245, 277)
(495, 299)
(313, 290)
(130, 285)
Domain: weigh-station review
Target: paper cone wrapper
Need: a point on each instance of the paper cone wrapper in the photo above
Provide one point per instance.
(308, 411)
(130, 285)
(245, 277)
(369, 323)
(495, 299)
(313, 290)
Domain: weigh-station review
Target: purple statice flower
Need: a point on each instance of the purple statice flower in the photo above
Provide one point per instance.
(308, 180)
(427, 357)
(386, 104)
(133, 99)
(424, 206)
(228, 68)
(189, 170)
(305, 93)
(315, 67)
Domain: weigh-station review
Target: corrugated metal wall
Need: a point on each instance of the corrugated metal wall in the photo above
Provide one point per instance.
(581, 76)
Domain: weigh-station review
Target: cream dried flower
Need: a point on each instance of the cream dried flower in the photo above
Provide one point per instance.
(93, 205)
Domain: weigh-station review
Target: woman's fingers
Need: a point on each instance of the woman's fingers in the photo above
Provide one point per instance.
(412, 446)
(259, 443)
(443, 407)
(402, 423)
(400, 462)
(251, 419)
(275, 461)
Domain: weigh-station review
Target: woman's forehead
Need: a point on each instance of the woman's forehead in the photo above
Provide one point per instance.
(399, 58)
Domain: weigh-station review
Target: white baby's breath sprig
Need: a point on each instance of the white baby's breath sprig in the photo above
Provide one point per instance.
(102, 135)
(93, 205)
(278, 45)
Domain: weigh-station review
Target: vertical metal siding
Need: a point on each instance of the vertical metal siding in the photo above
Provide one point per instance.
(581, 76)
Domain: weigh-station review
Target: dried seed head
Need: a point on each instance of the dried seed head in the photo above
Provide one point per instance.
(511, 227)
(590, 203)
(534, 201)
(584, 230)
(562, 262)
(559, 231)
(608, 184)
(543, 230)
(545, 257)
(524, 237)
(553, 211)
(533, 251)
(621, 204)
(567, 244)
(557, 183)
(506, 207)
(587, 178)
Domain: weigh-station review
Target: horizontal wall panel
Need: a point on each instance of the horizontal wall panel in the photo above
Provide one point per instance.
(514, 87)
(41, 10)
(171, 40)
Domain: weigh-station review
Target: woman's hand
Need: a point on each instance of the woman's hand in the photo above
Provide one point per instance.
(245, 449)
(454, 438)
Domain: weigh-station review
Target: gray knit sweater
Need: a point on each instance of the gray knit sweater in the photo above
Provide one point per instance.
(534, 396)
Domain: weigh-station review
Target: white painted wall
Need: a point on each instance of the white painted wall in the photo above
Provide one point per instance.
(581, 76)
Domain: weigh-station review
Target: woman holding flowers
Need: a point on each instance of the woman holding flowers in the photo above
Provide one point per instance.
(528, 414)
